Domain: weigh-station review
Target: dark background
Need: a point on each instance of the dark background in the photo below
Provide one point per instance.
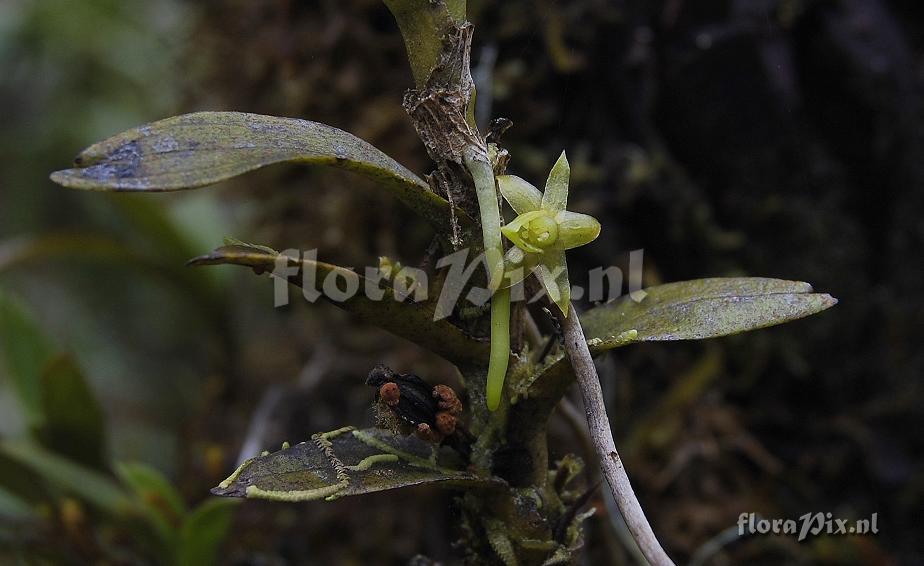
(778, 138)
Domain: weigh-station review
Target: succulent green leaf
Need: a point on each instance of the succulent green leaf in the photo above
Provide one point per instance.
(74, 423)
(203, 532)
(203, 148)
(555, 197)
(694, 310)
(347, 462)
(413, 321)
(576, 229)
(520, 194)
(704, 308)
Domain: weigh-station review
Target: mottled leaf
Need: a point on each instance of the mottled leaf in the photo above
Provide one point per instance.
(693, 310)
(195, 150)
(347, 462)
(411, 320)
(702, 308)
(203, 532)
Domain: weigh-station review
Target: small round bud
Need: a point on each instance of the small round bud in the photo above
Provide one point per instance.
(425, 432)
(447, 399)
(390, 394)
(445, 423)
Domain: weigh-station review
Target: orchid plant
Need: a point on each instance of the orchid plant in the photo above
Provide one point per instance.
(490, 439)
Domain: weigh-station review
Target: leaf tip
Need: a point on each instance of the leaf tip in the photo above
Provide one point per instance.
(61, 178)
(200, 260)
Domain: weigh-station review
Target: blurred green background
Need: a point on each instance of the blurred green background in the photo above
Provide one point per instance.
(777, 138)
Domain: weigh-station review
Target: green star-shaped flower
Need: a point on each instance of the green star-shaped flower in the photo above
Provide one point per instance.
(543, 231)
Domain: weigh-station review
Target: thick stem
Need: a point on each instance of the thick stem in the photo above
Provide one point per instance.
(486, 190)
(424, 25)
(610, 462)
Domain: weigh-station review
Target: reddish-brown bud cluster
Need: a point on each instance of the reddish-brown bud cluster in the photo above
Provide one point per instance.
(431, 412)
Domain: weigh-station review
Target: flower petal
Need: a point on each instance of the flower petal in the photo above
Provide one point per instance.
(553, 272)
(576, 229)
(512, 230)
(517, 265)
(520, 194)
(555, 197)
